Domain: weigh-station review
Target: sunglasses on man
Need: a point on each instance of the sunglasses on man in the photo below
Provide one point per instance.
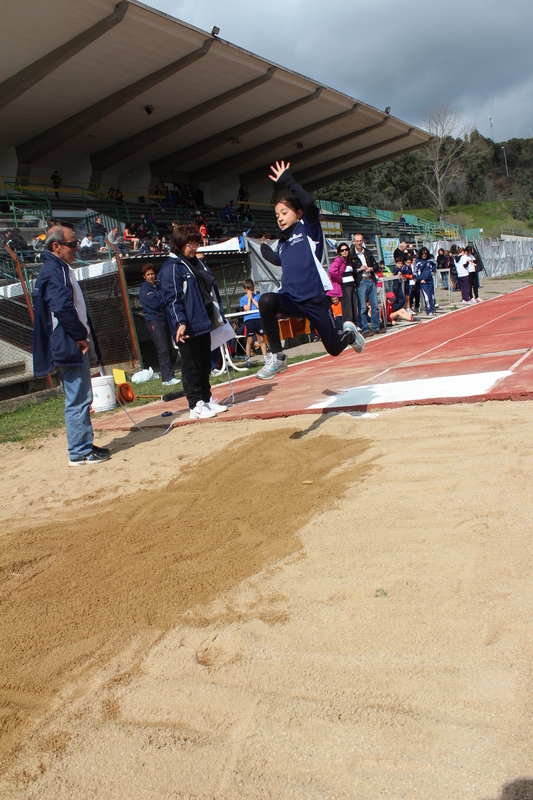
(73, 244)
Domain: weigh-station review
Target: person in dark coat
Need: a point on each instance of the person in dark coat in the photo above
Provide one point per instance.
(154, 309)
(61, 339)
(194, 309)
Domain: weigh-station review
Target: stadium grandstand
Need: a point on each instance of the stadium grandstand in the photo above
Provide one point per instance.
(122, 113)
(124, 95)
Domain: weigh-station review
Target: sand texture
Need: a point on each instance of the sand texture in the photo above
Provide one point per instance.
(324, 607)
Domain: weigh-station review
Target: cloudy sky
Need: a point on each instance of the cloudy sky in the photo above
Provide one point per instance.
(474, 55)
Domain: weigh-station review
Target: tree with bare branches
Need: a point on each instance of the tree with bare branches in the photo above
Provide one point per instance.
(441, 156)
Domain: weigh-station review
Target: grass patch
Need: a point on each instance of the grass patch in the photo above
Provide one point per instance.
(492, 217)
(33, 422)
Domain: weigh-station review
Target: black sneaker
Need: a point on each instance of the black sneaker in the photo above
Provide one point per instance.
(93, 458)
(104, 450)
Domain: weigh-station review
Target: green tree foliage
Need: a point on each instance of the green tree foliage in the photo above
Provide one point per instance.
(479, 175)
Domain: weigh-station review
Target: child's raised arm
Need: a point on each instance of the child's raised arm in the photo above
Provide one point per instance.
(284, 180)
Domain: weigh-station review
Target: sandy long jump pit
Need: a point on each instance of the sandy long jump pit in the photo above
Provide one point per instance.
(323, 606)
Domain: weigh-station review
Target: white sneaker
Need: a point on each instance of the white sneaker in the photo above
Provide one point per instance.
(358, 343)
(479, 300)
(172, 382)
(201, 411)
(272, 366)
(216, 407)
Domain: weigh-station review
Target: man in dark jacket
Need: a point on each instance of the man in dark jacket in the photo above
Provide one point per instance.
(60, 340)
(365, 268)
(98, 232)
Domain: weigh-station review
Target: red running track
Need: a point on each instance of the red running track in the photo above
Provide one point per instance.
(480, 352)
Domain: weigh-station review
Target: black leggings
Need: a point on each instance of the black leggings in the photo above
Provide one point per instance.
(473, 284)
(349, 302)
(196, 368)
(317, 310)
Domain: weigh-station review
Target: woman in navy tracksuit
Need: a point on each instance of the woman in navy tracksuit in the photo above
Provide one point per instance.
(154, 308)
(304, 282)
(194, 309)
(424, 267)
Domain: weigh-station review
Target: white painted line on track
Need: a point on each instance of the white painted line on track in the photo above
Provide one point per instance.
(408, 391)
(448, 341)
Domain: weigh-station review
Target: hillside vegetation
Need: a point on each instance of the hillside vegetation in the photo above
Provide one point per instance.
(481, 194)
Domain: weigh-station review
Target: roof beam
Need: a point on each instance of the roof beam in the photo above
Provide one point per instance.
(127, 147)
(49, 140)
(179, 157)
(326, 180)
(228, 166)
(254, 175)
(19, 83)
(311, 172)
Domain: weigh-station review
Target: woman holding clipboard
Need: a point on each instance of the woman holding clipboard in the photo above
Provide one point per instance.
(194, 310)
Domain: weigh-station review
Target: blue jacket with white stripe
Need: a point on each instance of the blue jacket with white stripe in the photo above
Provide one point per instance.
(184, 302)
(57, 326)
(300, 248)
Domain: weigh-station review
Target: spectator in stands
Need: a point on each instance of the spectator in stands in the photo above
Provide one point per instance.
(341, 275)
(266, 237)
(203, 231)
(146, 246)
(37, 243)
(56, 182)
(365, 269)
(303, 280)
(252, 320)
(154, 308)
(423, 269)
(243, 195)
(119, 197)
(98, 232)
(400, 252)
(117, 241)
(130, 235)
(194, 309)
(218, 233)
(61, 340)
(86, 245)
(110, 193)
(162, 245)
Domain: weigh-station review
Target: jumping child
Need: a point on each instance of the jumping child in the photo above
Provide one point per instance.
(304, 282)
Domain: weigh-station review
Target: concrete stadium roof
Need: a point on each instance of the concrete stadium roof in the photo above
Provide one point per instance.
(80, 84)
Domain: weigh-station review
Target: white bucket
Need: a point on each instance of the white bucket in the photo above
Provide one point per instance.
(103, 393)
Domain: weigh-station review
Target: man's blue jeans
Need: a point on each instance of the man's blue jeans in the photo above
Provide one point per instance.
(367, 289)
(78, 398)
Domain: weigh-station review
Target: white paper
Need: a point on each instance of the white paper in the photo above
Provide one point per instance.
(221, 335)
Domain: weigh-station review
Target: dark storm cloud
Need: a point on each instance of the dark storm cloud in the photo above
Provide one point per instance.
(476, 56)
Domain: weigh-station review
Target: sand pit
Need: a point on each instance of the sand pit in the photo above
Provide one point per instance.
(330, 606)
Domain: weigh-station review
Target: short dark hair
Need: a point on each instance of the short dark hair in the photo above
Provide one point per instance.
(146, 267)
(248, 283)
(182, 235)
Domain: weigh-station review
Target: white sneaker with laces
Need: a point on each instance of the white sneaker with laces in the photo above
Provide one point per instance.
(202, 411)
(172, 382)
(216, 407)
(272, 366)
(359, 343)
